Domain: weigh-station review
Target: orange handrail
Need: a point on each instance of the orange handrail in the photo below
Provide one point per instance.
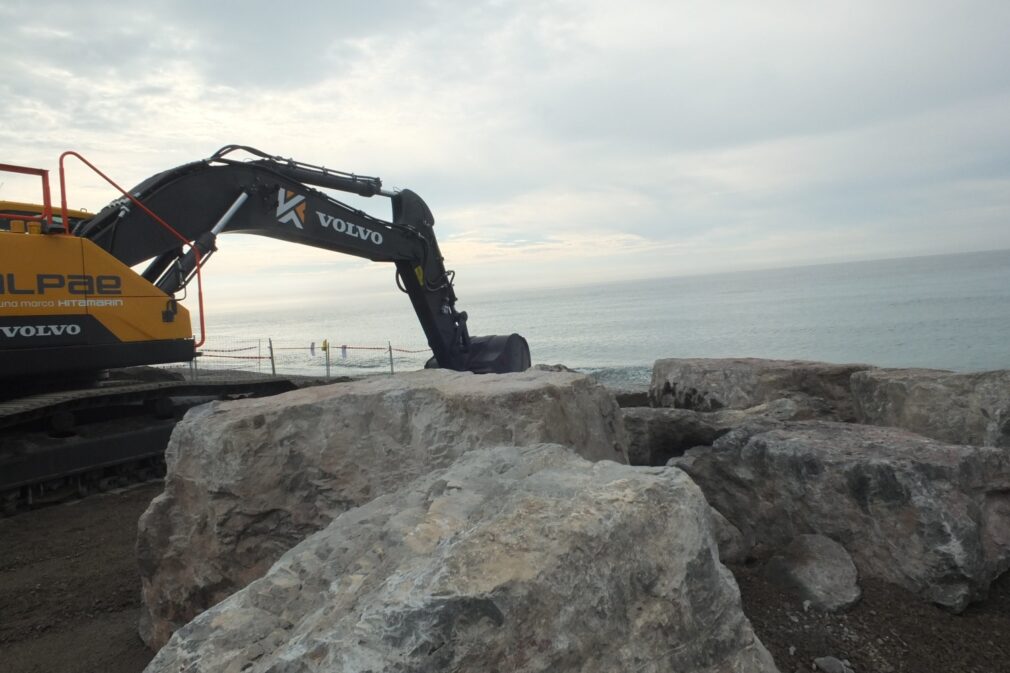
(156, 218)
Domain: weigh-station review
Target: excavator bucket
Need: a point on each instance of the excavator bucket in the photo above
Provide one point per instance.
(499, 354)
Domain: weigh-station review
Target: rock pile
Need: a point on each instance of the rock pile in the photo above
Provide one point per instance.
(248, 480)
(656, 435)
(928, 516)
(742, 383)
(444, 521)
(927, 511)
(511, 559)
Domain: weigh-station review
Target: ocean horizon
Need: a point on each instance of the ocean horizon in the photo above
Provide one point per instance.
(940, 311)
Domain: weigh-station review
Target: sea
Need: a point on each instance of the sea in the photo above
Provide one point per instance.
(944, 312)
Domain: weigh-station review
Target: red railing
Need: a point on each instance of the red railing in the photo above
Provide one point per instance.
(47, 206)
(135, 201)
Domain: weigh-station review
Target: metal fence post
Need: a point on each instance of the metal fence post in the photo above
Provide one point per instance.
(390, 344)
(273, 365)
(326, 349)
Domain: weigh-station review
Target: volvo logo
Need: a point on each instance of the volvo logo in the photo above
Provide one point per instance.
(290, 208)
(28, 331)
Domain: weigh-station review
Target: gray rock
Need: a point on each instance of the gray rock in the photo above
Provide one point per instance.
(248, 480)
(819, 570)
(553, 368)
(730, 541)
(929, 516)
(832, 665)
(629, 397)
(955, 408)
(627, 393)
(741, 383)
(655, 435)
(512, 559)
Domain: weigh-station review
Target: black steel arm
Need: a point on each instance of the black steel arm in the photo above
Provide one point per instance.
(271, 196)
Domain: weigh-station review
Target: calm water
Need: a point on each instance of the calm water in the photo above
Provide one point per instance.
(948, 312)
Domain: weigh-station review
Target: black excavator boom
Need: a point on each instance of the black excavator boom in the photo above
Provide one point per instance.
(277, 198)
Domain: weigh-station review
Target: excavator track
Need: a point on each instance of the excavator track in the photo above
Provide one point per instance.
(33, 407)
(67, 443)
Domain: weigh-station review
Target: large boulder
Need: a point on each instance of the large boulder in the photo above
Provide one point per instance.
(512, 559)
(929, 516)
(248, 480)
(955, 408)
(739, 383)
(656, 434)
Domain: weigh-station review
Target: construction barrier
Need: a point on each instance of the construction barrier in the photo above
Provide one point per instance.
(323, 358)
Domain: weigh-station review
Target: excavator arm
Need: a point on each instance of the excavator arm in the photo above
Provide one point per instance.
(278, 198)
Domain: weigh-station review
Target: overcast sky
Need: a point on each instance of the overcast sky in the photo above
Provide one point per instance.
(556, 142)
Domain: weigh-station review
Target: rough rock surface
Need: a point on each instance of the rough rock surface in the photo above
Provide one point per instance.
(740, 383)
(819, 570)
(512, 559)
(955, 408)
(248, 480)
(657, 434)
(728, 538)
(631, 397)
(928, 516)
(554, 368)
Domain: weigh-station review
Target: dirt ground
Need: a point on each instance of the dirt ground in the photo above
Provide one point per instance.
(69, 600)
(888, 631)
(69, 590)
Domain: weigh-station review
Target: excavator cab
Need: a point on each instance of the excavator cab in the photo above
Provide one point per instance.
(68, 307)
(16, 216)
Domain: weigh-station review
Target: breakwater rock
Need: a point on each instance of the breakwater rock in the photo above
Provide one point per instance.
(929, 516)
(740, 383)
(913, 483)
(247, 480)
(951, 407)
(511, 559)
(445, 521)
(972, 408)
(657, 434)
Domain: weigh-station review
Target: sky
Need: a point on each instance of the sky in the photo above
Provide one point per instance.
(557, 142)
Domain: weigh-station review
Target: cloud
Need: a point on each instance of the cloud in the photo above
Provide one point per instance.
(555, 141)
(689, 75)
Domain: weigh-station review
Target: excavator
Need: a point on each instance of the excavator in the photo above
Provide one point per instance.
(74, 312)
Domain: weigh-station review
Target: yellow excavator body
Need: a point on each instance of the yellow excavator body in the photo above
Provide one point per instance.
(68, 305)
